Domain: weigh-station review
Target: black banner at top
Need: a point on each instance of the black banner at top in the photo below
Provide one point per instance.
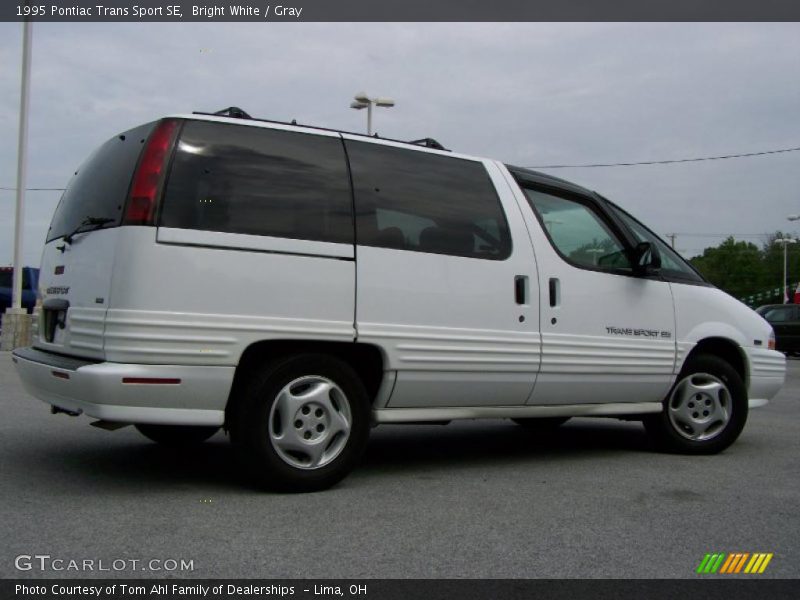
(398, 10)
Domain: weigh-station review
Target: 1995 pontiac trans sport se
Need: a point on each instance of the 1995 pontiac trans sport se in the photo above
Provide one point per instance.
(297, 285)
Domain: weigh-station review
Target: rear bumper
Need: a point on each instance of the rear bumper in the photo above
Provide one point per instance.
(126, 393)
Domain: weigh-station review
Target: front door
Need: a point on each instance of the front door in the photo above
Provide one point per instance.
(608, 335)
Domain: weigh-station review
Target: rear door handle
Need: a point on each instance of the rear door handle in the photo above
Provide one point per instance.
(555, 291)
(521, 289)
(55, 304)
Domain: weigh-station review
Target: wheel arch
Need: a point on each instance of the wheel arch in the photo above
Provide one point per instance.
(366, 360)
(727, 350)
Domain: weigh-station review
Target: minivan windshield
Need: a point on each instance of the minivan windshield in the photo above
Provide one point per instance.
(100, 185)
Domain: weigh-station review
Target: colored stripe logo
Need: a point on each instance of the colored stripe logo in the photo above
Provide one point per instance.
(734, 563)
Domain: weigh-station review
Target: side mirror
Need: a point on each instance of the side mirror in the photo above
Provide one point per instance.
(646, 259)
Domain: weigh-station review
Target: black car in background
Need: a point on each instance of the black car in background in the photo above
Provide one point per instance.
(785, 320)
(30, 280)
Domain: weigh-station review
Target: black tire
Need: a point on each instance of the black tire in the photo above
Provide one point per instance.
(261, 421)
(674, 434)
(176, 436)
(541, 424)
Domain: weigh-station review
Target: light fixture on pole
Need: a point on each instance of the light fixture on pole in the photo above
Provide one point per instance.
(785, 242)
(361, 100)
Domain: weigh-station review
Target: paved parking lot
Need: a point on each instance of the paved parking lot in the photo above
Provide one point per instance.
(471, 499)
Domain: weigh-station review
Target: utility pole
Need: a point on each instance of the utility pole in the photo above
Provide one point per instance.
(672, 237)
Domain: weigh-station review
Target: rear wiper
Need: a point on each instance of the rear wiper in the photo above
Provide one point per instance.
(92, 222)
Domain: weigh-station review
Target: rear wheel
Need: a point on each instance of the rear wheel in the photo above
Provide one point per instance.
(176, 435)
(704, 412)
(302, 423)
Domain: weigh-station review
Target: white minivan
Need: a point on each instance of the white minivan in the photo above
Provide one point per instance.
(298, 285)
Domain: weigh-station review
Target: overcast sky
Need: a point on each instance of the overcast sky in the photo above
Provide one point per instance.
(528, 93)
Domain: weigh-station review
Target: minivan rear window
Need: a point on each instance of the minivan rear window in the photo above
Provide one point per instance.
(258, 181)
(99, 187)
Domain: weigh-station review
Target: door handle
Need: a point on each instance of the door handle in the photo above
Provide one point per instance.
(555, 292)
(521, 289)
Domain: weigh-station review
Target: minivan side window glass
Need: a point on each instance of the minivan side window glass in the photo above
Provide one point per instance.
(259, 181)
(425, 202)
(578, 233)
(410, 227)
(672, 265)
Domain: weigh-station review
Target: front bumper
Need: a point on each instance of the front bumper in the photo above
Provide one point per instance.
(127, 393)
(767, 375)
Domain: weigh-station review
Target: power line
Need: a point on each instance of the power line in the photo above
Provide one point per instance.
(666, 162)
(586, 166)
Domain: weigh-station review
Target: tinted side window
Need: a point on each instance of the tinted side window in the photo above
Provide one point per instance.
(99, 187)
(425, 202)
(578, 232)
(243, 179)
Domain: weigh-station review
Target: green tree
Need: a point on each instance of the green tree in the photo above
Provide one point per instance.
(735, 267)
(743, 269)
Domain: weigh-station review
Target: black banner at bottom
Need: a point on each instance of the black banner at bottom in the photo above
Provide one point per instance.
(400, 589)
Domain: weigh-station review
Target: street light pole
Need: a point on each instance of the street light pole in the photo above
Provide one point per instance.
(361, 100)
(16, 325)
(785, 242)
(22, 166)
(785, 291)
(788, 218)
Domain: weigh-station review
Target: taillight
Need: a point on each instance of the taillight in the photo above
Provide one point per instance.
(771, 340)
(149, 176)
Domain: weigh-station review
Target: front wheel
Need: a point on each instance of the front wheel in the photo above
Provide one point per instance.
(302, 423)
(704, 412)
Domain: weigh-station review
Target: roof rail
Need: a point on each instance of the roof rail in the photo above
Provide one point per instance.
(235, 112)
(429, 143)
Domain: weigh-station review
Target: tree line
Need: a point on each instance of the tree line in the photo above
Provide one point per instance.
(746, 271)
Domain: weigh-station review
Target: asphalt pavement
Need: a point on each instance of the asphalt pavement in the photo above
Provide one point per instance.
(470, 499)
